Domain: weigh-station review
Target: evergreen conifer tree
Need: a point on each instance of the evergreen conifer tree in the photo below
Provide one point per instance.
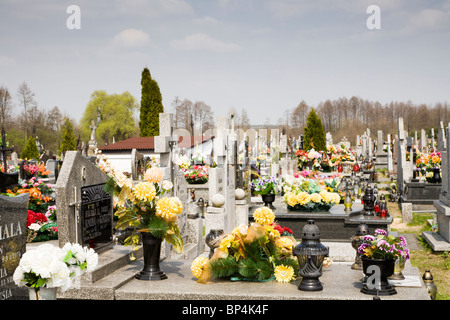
(151, 106)
(314, 133)
(69, 141)
(30, 151)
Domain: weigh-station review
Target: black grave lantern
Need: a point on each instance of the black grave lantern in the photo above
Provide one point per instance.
(310, 254)
(369, 201)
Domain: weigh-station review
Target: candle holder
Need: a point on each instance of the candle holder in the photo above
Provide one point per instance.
(310, 253)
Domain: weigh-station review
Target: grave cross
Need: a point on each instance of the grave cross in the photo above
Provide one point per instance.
(3, 148)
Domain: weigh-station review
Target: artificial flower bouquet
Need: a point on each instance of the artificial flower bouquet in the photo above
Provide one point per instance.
(42, 171)
(40, 227)
(52, 267)
(145, 208)
(308, 195)
(310, 202)
(265, 185)
(383, 246)
(197, 174)
(257, 252)
(39, 191)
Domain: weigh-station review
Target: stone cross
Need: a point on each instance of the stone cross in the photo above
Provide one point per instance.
(441, 138)
(404, 170)
(423, 141)
(4, 149)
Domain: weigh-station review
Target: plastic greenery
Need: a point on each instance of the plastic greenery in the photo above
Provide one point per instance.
(250, 253)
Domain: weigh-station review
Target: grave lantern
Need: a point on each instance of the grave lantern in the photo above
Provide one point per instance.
(383, 207)
(369, 201)
(357, 240)
(310, 253)
(429, 283)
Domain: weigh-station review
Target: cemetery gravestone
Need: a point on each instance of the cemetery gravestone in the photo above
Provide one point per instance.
(84, 209)
(95, 217)
(13, 238)
(8, 181)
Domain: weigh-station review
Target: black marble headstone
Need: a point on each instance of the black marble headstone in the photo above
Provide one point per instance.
(96, 217)
(8, 181)
(13, 240)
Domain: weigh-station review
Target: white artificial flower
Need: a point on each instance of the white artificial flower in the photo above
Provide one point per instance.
(167, 185)
(91, 260)
(34, 226)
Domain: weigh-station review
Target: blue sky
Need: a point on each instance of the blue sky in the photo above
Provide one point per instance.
(262, 55)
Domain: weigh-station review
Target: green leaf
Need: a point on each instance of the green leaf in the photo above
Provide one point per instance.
(158, 227)
(224, 267)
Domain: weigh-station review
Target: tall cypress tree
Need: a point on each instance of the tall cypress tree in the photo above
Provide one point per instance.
(69, 141)
(30, 151)
(151, 105)
(314, 133)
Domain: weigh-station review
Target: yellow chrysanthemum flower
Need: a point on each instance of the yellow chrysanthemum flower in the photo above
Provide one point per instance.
(144, 191)
(316, 197)
(303, 198)
(284, 273)
(291, 199)
(264, 215)
(198, 266)
(285, 243)
(168, 208)
(226, 242)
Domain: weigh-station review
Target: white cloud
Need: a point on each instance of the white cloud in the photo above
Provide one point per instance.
(206, 20)
(153, 8)
(6, 61)
(131, 38)
(203, 42)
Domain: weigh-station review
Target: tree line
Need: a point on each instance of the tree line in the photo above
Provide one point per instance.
(120, 116)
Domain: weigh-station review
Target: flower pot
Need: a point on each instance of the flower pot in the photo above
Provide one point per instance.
(437, 175)
(42, 293)
(268, 199)
(152, 252)
(376, 272)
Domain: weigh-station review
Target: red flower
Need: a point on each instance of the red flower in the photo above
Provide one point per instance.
(288, 230)
(35, 217)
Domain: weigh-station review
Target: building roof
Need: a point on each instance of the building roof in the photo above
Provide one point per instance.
(148, 143)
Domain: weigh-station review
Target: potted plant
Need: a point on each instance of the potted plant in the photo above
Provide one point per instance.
(266, 187)
(381, 251)
(196, 175)
(49, 267)
(152, 215)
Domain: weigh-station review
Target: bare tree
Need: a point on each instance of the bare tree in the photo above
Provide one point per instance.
(26, 99)
(188, 113)
(5, 105)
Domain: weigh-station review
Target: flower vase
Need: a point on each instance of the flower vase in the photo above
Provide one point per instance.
(398, 268)
(42, 293)
(437, 175)
(376, 273)
(152, 253)
(268, 199)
